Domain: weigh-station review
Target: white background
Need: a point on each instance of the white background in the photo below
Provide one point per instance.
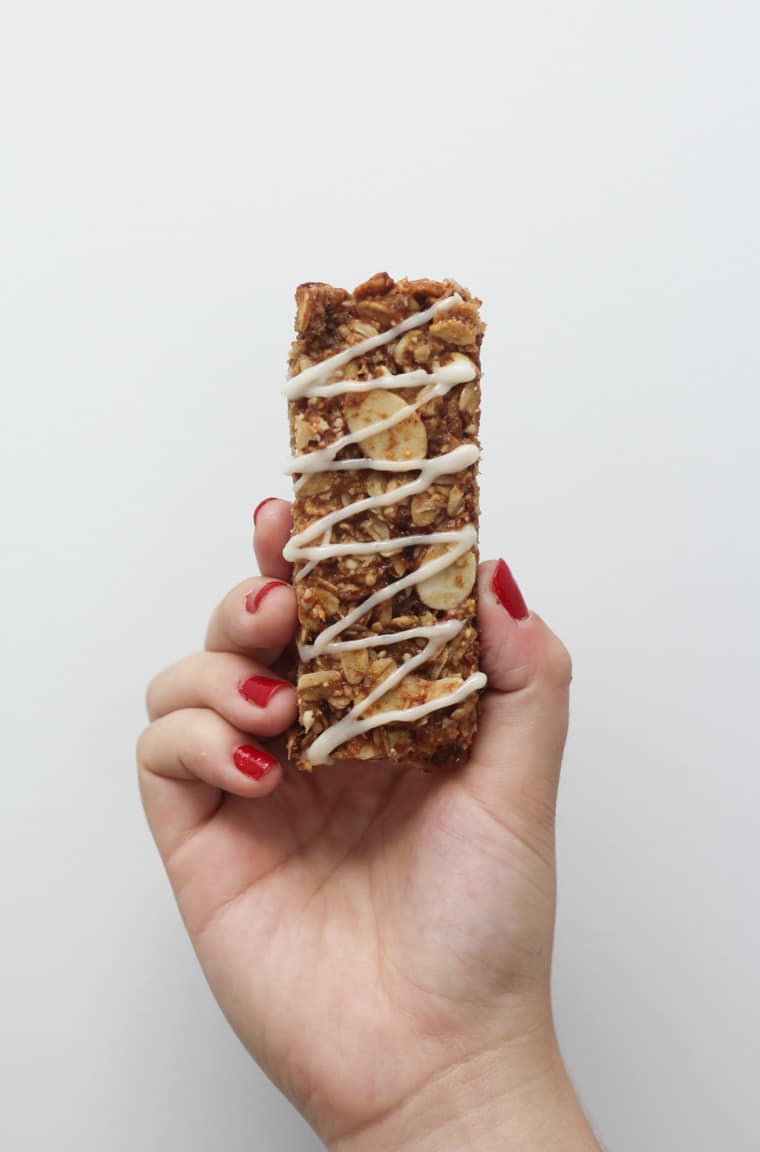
(171, 169)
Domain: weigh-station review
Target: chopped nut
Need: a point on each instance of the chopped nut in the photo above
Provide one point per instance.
(302, 433)
(305, 305)
(398, 564)
(375, 484)
(326, 595)
(402, 353)
(426, 507)
(453, 331)
(428, 288)
(319, 601)
(315, 305)
(457, 325)
(383, 614)
(404, 622)
(365, 751)
(377, 285)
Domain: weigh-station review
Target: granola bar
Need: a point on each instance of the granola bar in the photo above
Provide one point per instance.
(384, 408)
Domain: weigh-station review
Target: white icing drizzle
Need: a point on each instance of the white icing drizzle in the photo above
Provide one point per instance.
(430, 470)
(325, 551)
(315, 381)
(442, 381)
(465, 538)
(346, 729)
(318, 374)
(456, 372)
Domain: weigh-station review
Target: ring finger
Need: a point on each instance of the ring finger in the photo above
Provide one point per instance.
(240, 690)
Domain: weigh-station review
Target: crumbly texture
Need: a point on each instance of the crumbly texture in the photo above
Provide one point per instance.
(328, 320)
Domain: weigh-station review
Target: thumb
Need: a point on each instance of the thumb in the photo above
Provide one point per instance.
(524, 709)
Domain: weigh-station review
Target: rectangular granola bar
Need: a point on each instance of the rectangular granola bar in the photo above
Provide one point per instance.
(384, 407)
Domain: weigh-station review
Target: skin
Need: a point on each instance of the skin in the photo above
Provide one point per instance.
(379, 938)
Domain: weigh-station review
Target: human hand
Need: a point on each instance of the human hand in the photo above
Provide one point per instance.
(379, 938)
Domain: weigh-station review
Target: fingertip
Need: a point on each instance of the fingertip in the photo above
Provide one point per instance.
(258, 771)
(259, 506)
(269, 613)
(256, 596)
(271, 703)
(272, 524)
(258, 616)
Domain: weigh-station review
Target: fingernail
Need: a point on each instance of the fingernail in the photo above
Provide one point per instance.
(254, 598)
(260, 689)
(507, 593)
(253, 762)
(258, 507)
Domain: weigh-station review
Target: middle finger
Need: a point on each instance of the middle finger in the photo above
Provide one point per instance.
(240, 690)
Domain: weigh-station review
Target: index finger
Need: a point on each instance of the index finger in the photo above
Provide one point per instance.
(272, 521)
(257, 618)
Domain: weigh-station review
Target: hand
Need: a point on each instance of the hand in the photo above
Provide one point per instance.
(379, 938)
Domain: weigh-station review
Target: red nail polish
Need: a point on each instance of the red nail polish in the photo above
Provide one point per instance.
(253, 762)
(507, 593)
(260, 689)
(258, 507)
(254, 598)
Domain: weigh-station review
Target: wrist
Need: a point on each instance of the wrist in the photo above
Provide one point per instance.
(518, 1097)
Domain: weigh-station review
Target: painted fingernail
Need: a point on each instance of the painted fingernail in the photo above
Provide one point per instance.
(253, 762)
(254, 598)
(260, 689)
(507, 593)
(258, 507)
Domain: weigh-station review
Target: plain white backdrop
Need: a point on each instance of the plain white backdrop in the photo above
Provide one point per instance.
(169, 172)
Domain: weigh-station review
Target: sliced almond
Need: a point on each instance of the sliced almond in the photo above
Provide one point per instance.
(404, 348)
(455, 502)
(316, 482)
(448, 588)
(362, 329)
(354, 664)
(380, 311)
(414, 690)
(469, 397)
(376, 528)
(381, 668)
(375, 483)
(406, 440)
(318, 685)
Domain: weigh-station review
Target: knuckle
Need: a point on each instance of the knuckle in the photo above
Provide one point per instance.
(151, 694)
(557, 664)
(142, 749)
(219, 676)
(156, 691)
